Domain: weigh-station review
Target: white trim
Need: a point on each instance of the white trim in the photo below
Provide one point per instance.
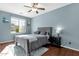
(6, 41)
(70, 48)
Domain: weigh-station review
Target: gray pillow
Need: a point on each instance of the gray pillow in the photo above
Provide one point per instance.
(37, 32)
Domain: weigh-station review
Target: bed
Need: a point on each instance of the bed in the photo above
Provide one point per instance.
(31, 42)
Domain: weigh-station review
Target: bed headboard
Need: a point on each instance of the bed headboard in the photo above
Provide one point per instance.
(45, 29)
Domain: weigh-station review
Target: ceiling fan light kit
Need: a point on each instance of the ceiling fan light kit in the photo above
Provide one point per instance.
(34, 9)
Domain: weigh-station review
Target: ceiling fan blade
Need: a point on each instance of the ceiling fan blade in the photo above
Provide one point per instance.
(27, 6)
(37, 12)
(29, 10)
(41, 8)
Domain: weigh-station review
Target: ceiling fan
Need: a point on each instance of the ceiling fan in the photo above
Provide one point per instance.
(34, 7)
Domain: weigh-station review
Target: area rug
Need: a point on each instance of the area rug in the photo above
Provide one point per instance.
(39, 51)
(12, 50)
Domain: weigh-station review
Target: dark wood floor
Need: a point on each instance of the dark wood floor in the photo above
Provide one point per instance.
(3, 45)
(53, 51)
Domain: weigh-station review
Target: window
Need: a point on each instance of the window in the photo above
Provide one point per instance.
(18, 25)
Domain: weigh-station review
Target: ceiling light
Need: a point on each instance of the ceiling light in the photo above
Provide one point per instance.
(34, 9)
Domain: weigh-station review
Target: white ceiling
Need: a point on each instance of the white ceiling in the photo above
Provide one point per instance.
(18, 8)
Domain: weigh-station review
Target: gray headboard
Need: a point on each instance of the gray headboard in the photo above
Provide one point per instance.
(45, 29)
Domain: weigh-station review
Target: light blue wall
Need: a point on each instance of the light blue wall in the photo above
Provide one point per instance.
(4, 27)
(68, 17)
(5, 34)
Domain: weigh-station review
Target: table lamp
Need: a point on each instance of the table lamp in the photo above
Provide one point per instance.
(59, 30)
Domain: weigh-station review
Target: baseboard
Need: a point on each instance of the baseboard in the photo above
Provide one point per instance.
(7, 41)
(70, 48)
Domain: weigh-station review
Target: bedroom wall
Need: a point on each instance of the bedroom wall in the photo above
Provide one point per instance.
(5, 34)
(4, 27)
(67, 17)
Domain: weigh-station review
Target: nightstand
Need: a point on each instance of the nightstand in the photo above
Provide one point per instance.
(55, 40)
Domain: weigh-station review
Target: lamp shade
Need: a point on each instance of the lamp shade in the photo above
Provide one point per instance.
(59, 29)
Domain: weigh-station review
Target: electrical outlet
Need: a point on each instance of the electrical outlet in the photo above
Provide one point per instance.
(69, 42)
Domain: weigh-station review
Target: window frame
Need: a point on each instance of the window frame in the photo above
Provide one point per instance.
(17, 18)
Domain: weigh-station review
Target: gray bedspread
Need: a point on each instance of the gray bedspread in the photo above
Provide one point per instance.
(41, 40)
(31, 42)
